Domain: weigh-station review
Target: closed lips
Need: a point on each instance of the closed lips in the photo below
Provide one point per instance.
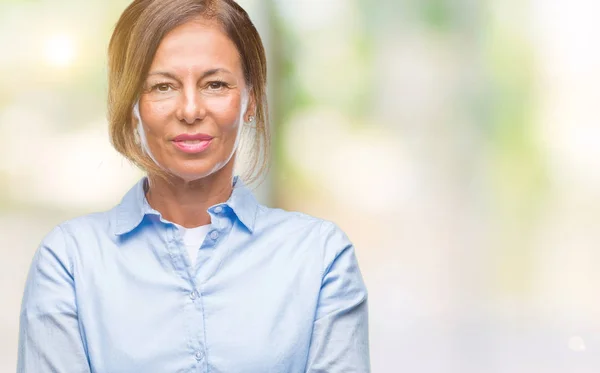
(193, 137)
(192, 144)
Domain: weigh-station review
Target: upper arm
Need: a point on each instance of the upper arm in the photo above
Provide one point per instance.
(340, 341)
(49, 335)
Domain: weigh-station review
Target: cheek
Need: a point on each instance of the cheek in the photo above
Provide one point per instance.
(227, 112)
(155, 116)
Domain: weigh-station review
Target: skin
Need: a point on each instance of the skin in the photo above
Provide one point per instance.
(194, 85)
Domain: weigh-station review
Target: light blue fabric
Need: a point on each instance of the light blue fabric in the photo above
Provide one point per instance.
(114, 292)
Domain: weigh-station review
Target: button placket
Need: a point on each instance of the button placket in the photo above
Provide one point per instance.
(173, 243)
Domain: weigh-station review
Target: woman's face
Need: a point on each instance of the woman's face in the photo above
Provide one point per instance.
(194, 101)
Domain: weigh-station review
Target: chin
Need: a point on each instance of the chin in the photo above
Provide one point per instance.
(189, 173)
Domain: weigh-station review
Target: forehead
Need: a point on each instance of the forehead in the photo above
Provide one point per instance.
(197, 44)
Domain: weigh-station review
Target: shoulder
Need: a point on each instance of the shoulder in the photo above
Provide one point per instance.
(65, 239)
(332, 249)
(268, 217)
(324, 235)
(86, 224)
(81, 225)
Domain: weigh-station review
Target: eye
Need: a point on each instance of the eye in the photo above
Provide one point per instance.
(161, 87)
(217, 85)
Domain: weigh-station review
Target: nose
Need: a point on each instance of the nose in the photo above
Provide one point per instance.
(191, 107)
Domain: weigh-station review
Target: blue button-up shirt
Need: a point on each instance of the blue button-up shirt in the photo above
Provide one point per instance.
(272, 291)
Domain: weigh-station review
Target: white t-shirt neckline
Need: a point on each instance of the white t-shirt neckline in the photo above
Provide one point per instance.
(192, 239)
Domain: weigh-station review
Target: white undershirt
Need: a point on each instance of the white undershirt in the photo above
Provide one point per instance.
(192, 239)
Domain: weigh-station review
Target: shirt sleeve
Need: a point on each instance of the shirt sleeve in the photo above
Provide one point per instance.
(49, 335)
(340, 338)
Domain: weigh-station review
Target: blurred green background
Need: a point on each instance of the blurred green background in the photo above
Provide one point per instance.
(456, 142)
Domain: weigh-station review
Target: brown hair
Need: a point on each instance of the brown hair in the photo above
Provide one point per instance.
(133, 45)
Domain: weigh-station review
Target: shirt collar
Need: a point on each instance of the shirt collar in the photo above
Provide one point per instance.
(134, 206)
(243, 204)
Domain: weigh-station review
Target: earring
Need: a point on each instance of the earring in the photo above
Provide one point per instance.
(251, 118)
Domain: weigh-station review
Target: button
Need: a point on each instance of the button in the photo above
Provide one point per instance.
(199, 355)
(214, 235)
(218, 209)
(193, 295)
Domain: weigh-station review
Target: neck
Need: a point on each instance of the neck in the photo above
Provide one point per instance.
(186, 202)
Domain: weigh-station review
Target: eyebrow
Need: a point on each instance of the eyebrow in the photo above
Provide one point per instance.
(207, 73)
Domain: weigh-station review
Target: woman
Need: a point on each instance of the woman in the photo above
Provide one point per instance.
(189, 273)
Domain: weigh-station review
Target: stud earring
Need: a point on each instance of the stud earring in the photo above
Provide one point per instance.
(251, 118)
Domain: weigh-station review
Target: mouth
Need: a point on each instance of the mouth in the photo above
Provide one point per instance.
(192, 146)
